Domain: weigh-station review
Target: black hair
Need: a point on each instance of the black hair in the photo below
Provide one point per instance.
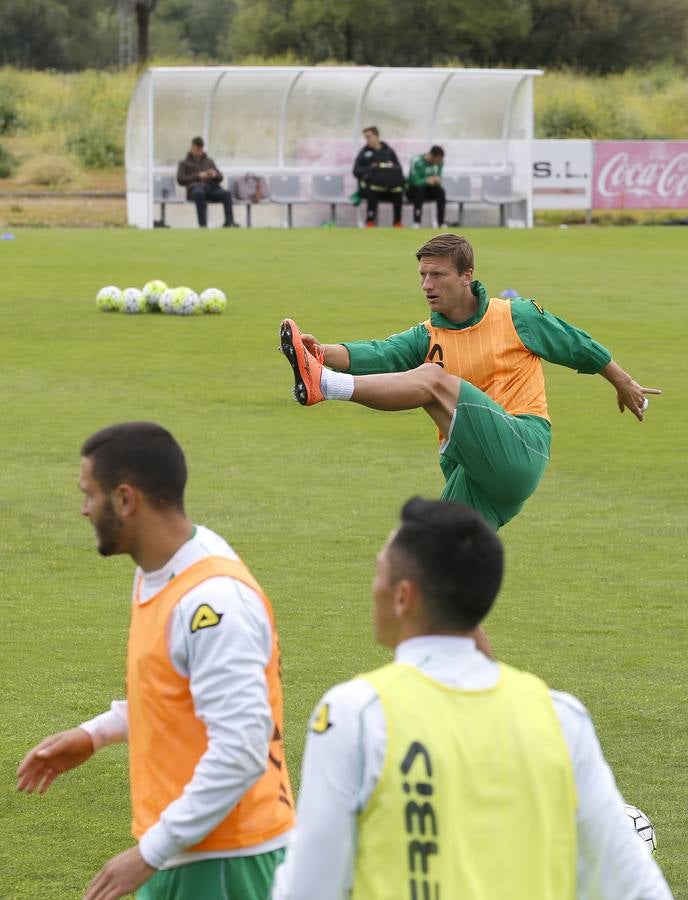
(436, 150)
(198, 141)
(454, 557)
(143, 454)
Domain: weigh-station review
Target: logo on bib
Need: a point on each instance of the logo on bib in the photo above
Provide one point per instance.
(205, 617)
(321, 720)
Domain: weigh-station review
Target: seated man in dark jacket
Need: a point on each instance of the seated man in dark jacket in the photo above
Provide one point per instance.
(380, 176)
(201, 178)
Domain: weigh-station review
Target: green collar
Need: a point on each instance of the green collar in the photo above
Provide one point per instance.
(439, 321)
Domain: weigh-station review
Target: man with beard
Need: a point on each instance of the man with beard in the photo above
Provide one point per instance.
(203, 714)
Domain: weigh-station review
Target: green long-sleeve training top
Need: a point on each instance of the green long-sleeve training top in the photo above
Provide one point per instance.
(545, 335)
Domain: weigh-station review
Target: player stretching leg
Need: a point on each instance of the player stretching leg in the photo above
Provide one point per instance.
(486, 389)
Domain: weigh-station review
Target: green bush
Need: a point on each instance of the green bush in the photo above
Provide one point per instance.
(634, 105)
(7, 162)
(10, 118)
(566, 119)
(95, 148)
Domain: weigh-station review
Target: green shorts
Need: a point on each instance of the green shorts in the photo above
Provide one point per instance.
(492, 461)
(226, 878)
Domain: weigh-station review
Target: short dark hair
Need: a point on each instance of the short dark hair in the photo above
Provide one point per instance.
(436, 150)
(372, 128)
(453, 556)
(143, 454)
(457, 248)
(198, 141)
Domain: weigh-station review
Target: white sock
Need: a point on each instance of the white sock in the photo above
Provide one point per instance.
(336, 385)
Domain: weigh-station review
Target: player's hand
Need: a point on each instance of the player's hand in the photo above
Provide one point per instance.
(631, 395)
(120, 876)
(313, 345)
(55, 754)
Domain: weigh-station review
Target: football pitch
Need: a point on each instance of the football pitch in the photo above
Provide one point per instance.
(594, 599)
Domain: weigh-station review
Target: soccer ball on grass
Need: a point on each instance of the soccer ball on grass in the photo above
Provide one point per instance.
(109, 299)
(643, 826)
(213, 300)
(153, 291)
(180, 301)
(134, 301)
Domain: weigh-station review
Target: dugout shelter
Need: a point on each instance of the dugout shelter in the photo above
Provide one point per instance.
(307, 121)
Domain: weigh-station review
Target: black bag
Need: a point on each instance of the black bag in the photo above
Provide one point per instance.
(384, 177)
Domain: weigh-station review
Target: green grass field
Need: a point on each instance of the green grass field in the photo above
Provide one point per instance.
(594, 599)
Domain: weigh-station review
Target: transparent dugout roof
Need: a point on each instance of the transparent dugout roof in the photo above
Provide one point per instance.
(310, 119)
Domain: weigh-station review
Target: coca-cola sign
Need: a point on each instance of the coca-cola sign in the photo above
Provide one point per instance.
(640, 175)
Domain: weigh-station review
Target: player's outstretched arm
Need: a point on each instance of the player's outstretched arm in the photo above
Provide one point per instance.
(629, 394)
(54, 755)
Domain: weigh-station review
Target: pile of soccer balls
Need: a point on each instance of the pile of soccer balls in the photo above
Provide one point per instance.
(156, 296)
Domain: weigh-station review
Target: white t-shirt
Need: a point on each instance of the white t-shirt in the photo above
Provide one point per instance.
(342, 764)
(225, 666)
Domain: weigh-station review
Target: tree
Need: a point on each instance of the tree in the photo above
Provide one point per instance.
(201, 25)
(604, 35)
(57, 34)
(141, 10)
(384, 33)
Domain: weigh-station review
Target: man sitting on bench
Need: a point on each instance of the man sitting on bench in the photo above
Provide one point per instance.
(201, 178)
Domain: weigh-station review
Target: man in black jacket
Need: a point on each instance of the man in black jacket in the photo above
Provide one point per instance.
(380, 176)
(201, 178)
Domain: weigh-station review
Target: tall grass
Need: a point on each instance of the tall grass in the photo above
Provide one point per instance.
(638, 105)
(81, 115)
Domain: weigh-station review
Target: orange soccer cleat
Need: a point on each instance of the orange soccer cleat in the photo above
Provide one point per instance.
(307, 367)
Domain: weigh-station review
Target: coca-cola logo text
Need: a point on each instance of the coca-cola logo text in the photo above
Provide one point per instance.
(665, 179)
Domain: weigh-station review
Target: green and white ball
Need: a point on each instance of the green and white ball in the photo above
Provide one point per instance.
(134, 301)
(109, 299)
(153, 291)
(180, 301)
(213, 300)
(165, 301)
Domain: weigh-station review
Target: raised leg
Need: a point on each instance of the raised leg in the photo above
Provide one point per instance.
(428, 387)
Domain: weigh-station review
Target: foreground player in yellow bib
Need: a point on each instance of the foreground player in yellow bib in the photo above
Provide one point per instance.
(210, 793)
(446, 775)
(475, 366)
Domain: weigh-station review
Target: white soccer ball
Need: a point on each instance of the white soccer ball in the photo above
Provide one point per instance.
(153, 291)
(164, 304)
(213, 300)
(643, 826)
(109, 299)
(134, 301)
(180, 301)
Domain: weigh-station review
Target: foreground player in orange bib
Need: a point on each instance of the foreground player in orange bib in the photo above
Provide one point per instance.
(211, 800)
(475, 367)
